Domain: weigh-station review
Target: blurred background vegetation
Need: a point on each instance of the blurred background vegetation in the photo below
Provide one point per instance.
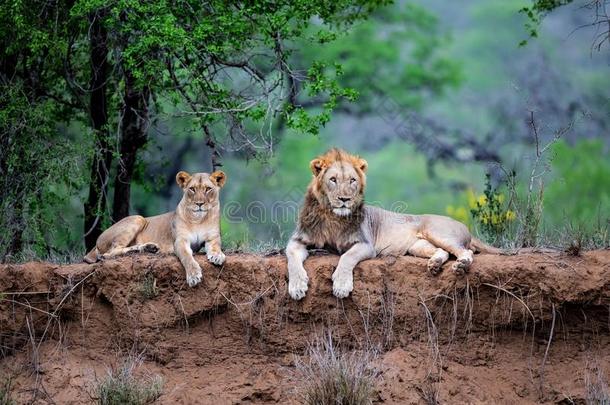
(485, 111)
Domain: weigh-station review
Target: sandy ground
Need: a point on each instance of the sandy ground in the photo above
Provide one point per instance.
(529, 328)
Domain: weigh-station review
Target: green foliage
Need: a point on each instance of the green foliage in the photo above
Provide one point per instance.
(320, 82)
(202, 55)
(122, 387)
(40, 173)
(396, 53)
(536, 12)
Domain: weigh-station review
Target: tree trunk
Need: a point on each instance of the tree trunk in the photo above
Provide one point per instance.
(211, 144)
(15, 231)
(95, 206)
(134, 125)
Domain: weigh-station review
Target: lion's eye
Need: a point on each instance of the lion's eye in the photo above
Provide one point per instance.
(333, 179)
(192, 189)
(352, 180)
(207, 190)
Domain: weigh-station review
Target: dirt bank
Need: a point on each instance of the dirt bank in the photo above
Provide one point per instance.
(527, 328)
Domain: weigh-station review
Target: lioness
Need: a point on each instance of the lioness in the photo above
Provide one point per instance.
(334, 216)
(195, 222)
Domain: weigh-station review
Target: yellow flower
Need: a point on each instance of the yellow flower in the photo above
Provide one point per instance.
(500, 198)
(482, 200)
(510, 215)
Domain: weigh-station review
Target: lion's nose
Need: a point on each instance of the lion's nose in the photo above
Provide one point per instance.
(344, 199)
(199, 204)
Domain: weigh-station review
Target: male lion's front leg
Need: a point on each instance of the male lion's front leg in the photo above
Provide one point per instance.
(213, 251)
(296, 252)
(343, 277)
(182, 248)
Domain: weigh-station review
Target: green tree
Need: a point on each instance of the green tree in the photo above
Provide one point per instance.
(37, 162)
(118, 64)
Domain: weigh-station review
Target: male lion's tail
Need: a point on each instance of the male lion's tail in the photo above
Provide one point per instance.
(483, 247)
(91, 257)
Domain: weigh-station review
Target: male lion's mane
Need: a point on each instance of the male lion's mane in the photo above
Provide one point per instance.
(318, 225)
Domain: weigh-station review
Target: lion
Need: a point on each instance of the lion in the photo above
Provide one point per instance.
(334, 217)
(194, 223)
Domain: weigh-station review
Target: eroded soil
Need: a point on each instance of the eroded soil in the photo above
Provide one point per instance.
(517, 329)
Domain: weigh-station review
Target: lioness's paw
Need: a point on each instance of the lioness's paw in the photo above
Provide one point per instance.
(217, 259)
(343, 283)
(297, 286)
(194, 276)
(150, 248)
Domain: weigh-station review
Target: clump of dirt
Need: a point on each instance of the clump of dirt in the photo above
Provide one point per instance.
(526, 328)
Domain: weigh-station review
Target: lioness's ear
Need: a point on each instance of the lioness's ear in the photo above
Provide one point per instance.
(362, 164)
(317, 165)
(219, 178)
(182, 178)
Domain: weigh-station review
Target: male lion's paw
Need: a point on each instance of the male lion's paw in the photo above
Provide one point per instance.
(194, 275)
(461, 265)
(217, 259)
(297, 286)
(343, 283)
(150, 248)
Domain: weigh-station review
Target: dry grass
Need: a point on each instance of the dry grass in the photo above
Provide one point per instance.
(148, 286)
(388, 313)
(5, 392)
(121, 386)
(331, 375)
(429, 392)
(573, 239)
(596, 385)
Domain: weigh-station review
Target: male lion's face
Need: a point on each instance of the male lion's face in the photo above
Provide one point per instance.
(200, 190)
(340, 182)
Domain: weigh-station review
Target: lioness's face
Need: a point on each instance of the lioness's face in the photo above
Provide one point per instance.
(342, 184)
(200, 190)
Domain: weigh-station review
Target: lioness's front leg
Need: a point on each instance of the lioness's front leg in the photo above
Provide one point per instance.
(343, 278)
(213, 251)
(296, 252)
(182, 248)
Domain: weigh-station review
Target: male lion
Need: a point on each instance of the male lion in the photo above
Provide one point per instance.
(334, 216)
(195, 222)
